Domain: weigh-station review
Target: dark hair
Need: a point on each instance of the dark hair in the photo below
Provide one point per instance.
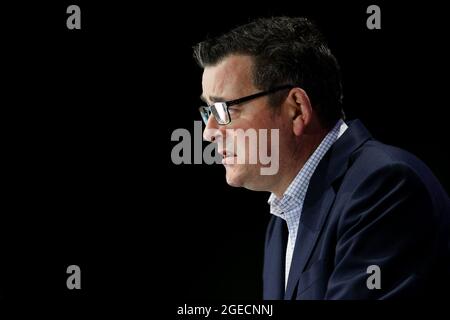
(285, 51)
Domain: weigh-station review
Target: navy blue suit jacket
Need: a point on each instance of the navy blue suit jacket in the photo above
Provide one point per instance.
(367, 204)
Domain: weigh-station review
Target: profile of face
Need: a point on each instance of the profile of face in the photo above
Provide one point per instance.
(232, 79)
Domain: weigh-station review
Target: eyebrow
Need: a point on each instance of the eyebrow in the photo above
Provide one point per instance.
(213, 99)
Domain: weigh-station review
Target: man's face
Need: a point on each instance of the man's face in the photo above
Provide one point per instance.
(228, 80)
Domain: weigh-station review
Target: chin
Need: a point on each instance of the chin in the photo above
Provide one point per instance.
(233, 178)
(240, 176)
(235, 175)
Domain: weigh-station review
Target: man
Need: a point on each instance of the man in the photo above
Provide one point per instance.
(352, 218)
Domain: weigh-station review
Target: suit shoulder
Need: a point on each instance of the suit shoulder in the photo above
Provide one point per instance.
(379, 161)
(374, 156)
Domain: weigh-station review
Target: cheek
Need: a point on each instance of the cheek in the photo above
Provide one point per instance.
(255, 126)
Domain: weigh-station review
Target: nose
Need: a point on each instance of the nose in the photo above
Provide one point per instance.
(212, 130)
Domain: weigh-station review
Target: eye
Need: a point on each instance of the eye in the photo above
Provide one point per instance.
(233, 109)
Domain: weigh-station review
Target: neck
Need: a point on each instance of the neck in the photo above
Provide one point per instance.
(296, 160)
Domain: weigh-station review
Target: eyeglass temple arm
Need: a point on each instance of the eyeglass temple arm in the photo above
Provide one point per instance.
(257, 95)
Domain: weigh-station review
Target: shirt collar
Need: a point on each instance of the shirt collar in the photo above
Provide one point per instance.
(295, 194)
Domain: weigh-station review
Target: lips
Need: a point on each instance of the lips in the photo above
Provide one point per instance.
(228, 157)
(226, 153)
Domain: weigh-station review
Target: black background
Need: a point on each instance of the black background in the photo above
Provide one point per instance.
(87, 120)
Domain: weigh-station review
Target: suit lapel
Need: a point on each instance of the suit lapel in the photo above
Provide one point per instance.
(306, 238)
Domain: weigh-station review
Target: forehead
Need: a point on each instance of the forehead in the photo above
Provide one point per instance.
(229, 77)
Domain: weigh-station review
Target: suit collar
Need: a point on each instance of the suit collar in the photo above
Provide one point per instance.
(320, 197)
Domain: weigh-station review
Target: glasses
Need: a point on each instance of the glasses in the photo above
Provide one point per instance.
(220, 109)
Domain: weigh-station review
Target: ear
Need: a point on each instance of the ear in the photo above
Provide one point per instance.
(300, 110)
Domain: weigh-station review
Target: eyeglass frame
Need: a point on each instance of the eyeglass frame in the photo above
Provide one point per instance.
(238, 101)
